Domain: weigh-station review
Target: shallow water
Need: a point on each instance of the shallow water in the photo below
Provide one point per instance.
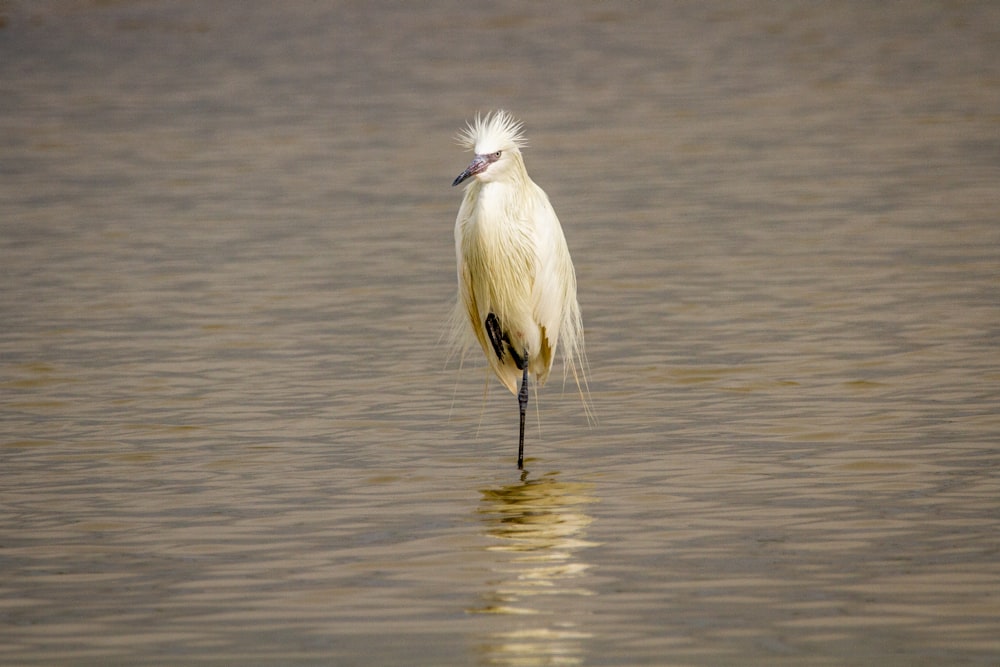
(229, 431)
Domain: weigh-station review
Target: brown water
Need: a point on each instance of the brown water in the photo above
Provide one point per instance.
(229, 435)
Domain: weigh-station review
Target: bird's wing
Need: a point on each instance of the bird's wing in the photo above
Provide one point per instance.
(554, 290)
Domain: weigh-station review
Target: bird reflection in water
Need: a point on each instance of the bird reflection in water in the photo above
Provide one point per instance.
(536, 529)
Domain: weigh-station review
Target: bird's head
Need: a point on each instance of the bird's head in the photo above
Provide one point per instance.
(496, 140)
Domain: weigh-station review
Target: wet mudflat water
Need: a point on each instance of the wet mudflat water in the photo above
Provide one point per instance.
(229, 433)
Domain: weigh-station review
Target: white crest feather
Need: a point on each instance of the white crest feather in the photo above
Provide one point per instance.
(496, 131)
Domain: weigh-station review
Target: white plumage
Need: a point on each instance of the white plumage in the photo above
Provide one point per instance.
(516, 282)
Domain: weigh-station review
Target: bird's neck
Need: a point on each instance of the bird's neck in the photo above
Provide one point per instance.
(497, 202)
(509, 190)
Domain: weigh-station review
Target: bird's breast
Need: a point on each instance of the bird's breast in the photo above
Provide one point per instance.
(497, 247)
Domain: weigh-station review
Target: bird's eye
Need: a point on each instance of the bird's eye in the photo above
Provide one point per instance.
(496, 156)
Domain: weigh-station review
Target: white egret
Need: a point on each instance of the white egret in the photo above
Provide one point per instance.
(516, 282)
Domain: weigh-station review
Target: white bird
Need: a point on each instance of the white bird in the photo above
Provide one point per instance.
(516, 282)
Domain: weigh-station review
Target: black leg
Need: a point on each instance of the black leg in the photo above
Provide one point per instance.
(496, 336)
(522, 401)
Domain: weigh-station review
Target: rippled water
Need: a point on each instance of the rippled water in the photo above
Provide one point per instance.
(229, 433)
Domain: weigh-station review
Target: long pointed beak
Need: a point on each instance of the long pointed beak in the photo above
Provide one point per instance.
(477, 166)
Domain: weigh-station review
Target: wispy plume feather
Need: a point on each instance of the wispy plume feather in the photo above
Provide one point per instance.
(496, 131)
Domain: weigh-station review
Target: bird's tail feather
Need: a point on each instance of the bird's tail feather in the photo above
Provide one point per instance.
(575, 360)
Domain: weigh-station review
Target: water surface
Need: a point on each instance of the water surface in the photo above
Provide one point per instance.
(230, 431)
